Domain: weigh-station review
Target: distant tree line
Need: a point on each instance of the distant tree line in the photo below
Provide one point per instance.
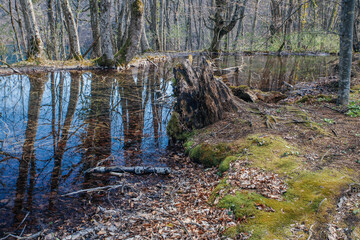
(63, 29)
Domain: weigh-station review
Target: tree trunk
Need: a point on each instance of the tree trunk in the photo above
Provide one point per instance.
(72, 30)
(346, 38)
(144, 42)
(14, 29)
(188, 42)
(275, 17)
(131, 46)
(53, 54)
(220, 29)
(95, 28)
(253, 26)
(153, 24)
(107, 58)
(201, 99)
(23, 42)
(35, 45)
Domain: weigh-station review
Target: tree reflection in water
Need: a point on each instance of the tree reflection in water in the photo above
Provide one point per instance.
(61, 124)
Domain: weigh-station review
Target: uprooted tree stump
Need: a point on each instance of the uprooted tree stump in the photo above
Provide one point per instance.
(201, 98)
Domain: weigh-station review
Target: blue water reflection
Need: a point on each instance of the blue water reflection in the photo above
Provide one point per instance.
(55, 126)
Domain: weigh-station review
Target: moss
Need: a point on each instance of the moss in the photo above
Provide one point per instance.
(174, 129)
(305, 99)
(266, 152)
(241, 88)
(356, 87)
(188, 146)
(225, 164)
(232, 232)
(138, 8)
(120, 56)
(209, 155)
(311, 197)
(325, 98)
(304, 119)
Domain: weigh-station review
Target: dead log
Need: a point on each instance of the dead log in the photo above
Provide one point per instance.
(135, 170)
(201, 98)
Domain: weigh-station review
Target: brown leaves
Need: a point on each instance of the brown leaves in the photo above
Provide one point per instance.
(175, 207)
(267, 184)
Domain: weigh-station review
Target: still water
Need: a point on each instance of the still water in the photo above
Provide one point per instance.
(55, 126)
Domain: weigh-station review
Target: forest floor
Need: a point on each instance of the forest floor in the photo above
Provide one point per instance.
(287, 170)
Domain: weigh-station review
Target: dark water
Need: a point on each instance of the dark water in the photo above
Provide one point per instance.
(54, 126)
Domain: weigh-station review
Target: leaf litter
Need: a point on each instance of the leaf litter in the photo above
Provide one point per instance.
(172, 207)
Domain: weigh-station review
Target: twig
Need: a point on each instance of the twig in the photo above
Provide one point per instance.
(93, 190)
(152, 62)
(322, 158)
(181, 222)
(18, 237)
(321, 204)
(24, 219)
(91, 46)
(310, 232)
(214, 134)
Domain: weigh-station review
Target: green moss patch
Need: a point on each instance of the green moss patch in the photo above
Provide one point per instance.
(209, 155)
(311, 197)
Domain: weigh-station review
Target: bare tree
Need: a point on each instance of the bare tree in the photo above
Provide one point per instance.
(221, 27)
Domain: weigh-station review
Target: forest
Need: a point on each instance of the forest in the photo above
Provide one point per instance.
(71, 29)
(179, 119)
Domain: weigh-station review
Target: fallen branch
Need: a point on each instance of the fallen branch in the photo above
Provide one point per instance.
(9, 66)
(152, 62)
(82, 233)
(36, 235)
(135, 170)
(93, 190)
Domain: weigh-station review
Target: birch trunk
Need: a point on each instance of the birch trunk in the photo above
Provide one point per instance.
(72, 30)
(35, 45)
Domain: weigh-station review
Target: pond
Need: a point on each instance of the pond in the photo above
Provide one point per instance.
(55, 126)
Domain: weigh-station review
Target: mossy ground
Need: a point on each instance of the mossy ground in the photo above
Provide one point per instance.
(310, 199)
(314, 186)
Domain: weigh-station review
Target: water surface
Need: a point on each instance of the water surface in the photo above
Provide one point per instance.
(55, 126)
